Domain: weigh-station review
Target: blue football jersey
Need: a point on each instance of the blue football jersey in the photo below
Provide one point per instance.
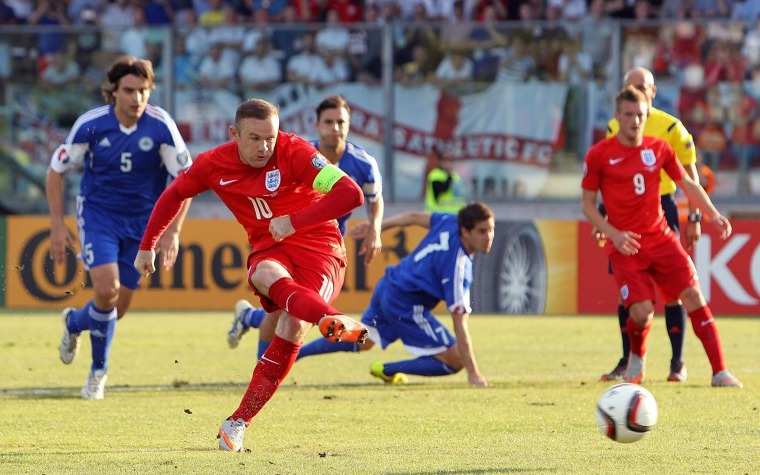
(362, 168)
(124, 169)
(438, 269)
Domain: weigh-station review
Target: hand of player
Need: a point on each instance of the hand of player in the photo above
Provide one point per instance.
(693, 231)
(168, 248)
(599, 237)
(477, 379)
(626, 242)
(281, 227)
(60, 239)
(723, 224)
(371, 245)
(144, 262)
(359, 231)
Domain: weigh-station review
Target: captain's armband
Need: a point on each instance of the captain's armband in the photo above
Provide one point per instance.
(327, 177)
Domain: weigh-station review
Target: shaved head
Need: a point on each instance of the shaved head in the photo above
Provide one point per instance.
(638, 75)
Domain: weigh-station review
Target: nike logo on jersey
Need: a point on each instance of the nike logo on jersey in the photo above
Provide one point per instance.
(224, 182)
(615, 161)
(105, 142)
(445, 280)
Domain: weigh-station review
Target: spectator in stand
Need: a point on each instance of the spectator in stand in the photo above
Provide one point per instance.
(724, 62)
(302, 66)
(184, 13)
(486, 41)
(675, 9)
(420, 69)
(455, 69)
(336, 69)
(185, 66)
(259, 71)
(75, 7)
(575, 66)
(274, 9)
(158, 12)
(748, 10)
(230, 36)
(516, 63)
(569, 10)
(711, 8)
(499, 7)
(285, 38)
(261, 30)
(333, 37)
(62, 72)
(456, 29)
(214, 15)
(744, 112)
(349, 11)
(7, 15)
(409, 9)
(216, 72)
(48, 13)
(365, 47)
(597, 33)
(114, 18)
(196, 42)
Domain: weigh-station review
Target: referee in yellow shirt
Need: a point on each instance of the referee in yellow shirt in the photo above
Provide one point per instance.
(668, 128)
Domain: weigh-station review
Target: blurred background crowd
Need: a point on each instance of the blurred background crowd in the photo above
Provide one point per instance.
(705, 55)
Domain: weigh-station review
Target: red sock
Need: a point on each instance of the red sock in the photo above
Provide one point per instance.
(638, 337)
(299, 301)
(269, 372)
(704, 326)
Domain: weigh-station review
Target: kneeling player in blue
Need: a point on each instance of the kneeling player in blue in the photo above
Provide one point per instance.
(440, 268)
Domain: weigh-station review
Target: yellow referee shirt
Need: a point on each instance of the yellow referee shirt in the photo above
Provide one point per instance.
(666, 127)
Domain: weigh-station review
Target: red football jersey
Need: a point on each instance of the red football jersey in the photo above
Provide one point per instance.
(629, 180)
(256, 195)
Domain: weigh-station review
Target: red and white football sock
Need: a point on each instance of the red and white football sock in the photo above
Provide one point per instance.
(269, 372)
(703, 323)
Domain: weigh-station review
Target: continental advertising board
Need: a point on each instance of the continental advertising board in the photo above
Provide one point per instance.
(535, 267)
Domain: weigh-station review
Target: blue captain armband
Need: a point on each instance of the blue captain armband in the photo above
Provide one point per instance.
(327, 178)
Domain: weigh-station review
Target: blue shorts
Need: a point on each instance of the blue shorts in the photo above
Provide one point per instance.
(394, 315)
(107, 239)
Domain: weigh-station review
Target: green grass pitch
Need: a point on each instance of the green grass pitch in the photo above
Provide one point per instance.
(172, 380)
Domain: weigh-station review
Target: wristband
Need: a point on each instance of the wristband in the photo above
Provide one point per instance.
(695, 217)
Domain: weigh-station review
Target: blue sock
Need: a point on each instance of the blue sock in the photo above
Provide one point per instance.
(321, 346)
(675, 321)
(102, 328)
(79, 319)
(422, 366)
(252, 317)
(263, 345)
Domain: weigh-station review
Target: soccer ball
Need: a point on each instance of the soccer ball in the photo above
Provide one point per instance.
(626, 412)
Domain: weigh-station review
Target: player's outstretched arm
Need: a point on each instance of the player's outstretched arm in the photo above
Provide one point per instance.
(464, 345)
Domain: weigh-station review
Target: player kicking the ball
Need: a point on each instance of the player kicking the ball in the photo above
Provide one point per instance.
(287, 197)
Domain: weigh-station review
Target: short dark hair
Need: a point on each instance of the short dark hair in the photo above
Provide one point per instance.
(124, 66)
(629, 94)
(333, 101)
(256, 109)
(472, 214)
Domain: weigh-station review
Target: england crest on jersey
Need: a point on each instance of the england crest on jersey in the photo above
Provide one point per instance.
(272, 181)
(647, 157)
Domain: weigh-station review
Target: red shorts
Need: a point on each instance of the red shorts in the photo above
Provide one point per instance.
(321, 273)
(663, 263)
